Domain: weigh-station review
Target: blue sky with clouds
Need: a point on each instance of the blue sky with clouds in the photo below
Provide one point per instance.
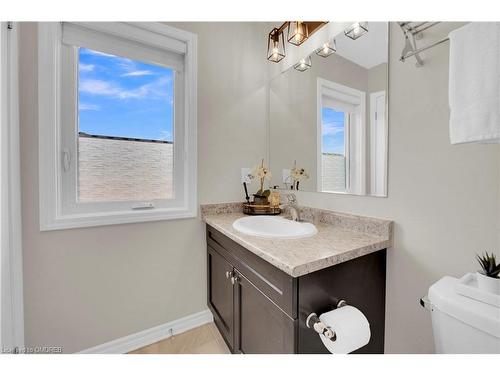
(124, 98)
(333, 134)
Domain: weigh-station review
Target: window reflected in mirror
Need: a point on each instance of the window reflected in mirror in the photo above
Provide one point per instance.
(332, 118)
(334, 145)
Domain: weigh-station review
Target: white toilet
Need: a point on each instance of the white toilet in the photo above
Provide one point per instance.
(462, 324)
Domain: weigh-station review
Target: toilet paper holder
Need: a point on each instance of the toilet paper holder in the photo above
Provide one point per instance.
(317, 325)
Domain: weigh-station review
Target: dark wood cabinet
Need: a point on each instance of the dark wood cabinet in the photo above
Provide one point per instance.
(240, 292)
(220, 294)
(261, 327)
(260, 309)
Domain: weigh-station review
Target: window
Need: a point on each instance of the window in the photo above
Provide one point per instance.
(117, 124)
(341, 160)
(333, 150)
(125, 129)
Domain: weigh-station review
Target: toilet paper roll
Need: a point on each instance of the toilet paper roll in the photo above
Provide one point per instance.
(351, 327)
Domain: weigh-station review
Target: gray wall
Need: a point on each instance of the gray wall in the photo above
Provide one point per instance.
(444, 199)
(84, 287)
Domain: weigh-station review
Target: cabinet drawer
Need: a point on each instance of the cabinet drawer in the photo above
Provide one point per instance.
(278, 286)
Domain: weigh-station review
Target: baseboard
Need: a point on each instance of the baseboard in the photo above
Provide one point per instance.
(149, 336)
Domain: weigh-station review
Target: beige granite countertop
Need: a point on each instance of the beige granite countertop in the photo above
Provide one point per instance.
(341, 237)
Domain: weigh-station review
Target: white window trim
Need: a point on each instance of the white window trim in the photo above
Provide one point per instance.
(358, 98)
(378, 172)
(347, 151)
(49, 98)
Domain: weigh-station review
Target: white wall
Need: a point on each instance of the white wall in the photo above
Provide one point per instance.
(87, 286)
(444, 199)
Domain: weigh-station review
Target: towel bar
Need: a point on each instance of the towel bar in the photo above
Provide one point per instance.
(413, 31)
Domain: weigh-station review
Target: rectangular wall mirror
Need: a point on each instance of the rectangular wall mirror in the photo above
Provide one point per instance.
(329, 123)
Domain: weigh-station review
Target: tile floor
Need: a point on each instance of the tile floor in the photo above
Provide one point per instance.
(205, 339)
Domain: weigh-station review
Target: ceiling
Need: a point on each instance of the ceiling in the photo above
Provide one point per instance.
(369, 50)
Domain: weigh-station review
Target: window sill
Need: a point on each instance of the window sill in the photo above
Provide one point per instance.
(114, 218)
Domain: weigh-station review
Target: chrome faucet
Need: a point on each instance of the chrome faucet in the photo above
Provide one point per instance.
(292, 206)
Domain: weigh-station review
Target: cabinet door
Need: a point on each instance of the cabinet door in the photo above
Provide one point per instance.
(220, 294)
(260, 325)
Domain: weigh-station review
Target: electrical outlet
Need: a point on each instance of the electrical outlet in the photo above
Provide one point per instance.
(245, 175)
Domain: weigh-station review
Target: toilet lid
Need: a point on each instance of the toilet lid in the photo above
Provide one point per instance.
(477, 314)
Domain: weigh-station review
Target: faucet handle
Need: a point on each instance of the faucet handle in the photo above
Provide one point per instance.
(291, 198)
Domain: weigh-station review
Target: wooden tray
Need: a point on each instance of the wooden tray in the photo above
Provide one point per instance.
(260, 209)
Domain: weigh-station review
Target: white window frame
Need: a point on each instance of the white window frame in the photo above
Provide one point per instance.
(57, 211)
(355, 183)
(378, 171)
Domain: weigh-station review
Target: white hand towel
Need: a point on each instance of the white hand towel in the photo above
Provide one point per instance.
(474, 83)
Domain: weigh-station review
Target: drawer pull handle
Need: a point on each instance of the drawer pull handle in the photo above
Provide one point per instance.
(229, 274)
(235, 280)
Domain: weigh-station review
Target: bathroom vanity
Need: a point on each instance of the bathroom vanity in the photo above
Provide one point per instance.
(328, 133)
(261, 290)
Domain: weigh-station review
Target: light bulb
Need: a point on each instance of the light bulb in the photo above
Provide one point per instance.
(275, 51)
(276, 48)
(298, 36)
(356, 30)
(303, 64)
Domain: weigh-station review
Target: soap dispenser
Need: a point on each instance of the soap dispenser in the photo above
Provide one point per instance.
(274, 197)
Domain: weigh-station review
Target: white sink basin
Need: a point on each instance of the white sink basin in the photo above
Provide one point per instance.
(273, 227)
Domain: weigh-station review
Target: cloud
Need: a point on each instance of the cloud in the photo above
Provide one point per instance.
(131, 70)
(98, 87)
(96, 53)
(332, 128)
(165, 135)
(156, 89)
(86, 67)
(122, 61)
(138, 73)
(88, 107)
(153, 90)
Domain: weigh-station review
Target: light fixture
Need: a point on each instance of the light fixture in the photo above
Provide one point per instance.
(327, 49)
(297, 32)
(303, 64)
(275, 46)
(356, 30)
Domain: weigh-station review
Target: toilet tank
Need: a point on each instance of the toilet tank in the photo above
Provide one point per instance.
(461, 324)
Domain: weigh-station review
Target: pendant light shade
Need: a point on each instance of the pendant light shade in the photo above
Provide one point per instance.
(356, 30)
(303, 64)
(297, 32)
(327, 49)
(275, 46)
